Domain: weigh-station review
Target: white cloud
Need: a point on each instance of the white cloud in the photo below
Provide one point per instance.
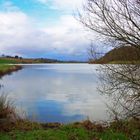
(19, 35)
(66, 4)
(17, 32)
(68, 33)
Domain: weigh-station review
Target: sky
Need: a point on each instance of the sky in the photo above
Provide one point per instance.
(43, 28)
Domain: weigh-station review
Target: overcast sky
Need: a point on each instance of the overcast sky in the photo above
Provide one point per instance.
(42, 28)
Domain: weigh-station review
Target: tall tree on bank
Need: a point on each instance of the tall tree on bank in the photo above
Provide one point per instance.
(117, 21)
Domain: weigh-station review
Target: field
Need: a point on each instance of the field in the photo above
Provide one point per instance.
(7, 61)
(14, 60)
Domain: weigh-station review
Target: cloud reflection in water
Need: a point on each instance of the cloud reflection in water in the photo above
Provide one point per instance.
(57, 92)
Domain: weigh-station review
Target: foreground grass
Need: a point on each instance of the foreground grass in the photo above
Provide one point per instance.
(25, 130)
(67, 132)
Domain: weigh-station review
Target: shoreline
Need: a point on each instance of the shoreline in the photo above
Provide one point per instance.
(6, 69)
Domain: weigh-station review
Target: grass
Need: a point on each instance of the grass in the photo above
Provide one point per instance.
(15, 61)
(4, 68)
(7, 61)
(7, 69)
(67, 132)
(75, 131)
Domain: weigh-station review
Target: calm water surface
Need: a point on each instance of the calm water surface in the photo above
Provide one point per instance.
(56, 92)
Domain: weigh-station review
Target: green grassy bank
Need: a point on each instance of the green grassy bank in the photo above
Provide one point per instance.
(7, 69)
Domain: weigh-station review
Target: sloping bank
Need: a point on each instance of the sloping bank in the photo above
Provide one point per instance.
(8, 69)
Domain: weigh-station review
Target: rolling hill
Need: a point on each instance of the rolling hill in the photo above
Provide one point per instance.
(120, 55)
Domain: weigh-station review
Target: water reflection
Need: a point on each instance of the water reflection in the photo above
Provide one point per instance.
(57, 92)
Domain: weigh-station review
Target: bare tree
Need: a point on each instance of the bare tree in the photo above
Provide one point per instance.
(118, 21)
(94, 53)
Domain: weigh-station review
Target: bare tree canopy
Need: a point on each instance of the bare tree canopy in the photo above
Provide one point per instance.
(117, 20)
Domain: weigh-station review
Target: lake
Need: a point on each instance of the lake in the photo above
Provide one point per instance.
(56, 92)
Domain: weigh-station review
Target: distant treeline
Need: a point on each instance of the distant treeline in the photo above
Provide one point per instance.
(18, 59)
